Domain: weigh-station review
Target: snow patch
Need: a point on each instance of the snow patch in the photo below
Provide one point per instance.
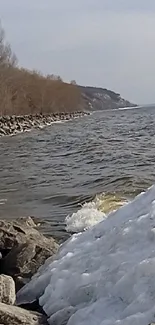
(105, 275)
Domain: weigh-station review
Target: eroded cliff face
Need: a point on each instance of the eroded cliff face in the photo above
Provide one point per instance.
(102, 99)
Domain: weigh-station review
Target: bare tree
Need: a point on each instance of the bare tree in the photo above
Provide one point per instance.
(73, 82)
(29, 92)
(54, 77)
(7, 57)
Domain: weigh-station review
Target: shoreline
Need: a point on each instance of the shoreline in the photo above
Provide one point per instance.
(23, 249)
(15, 124)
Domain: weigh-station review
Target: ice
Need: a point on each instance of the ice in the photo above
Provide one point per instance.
(105, 275)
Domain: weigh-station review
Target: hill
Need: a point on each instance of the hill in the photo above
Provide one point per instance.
(102, 98)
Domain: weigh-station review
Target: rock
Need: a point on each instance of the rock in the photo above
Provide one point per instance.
(2, 131)
(7, 290)
(13, 315)
(23, 249)
(14, 124)
(6, 129)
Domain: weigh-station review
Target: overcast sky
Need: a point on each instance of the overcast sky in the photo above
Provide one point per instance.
(107, 43)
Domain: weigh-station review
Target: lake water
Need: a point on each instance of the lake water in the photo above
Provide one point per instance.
(50, 173)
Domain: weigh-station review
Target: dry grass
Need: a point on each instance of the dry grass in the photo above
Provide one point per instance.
(24, 92)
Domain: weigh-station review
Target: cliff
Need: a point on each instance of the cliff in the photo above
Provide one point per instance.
(101, 99)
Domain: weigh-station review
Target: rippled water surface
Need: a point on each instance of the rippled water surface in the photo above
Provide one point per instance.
(48, 173)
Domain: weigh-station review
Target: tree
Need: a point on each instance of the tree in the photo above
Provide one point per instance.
(54, 77)
(73, 82)
(7, 57)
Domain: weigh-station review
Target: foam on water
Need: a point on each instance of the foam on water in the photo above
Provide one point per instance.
(93, 212)
(126, 108)
(3, 201)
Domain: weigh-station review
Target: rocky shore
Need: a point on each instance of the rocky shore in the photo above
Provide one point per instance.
(11, 125)
(23, 249)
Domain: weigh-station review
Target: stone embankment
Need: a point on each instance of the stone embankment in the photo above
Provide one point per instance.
(11, 125)
(23, 249)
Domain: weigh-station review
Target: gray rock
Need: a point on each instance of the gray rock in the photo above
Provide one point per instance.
(2, 131)
(13, 315)
(6, 128)
(14, 124)
(7, 290)
(24, 249)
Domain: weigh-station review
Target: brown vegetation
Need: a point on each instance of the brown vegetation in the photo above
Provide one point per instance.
(28, 92)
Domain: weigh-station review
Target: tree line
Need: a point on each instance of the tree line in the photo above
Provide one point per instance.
(25, 92)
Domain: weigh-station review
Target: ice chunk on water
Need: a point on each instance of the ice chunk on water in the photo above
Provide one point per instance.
(104, 276)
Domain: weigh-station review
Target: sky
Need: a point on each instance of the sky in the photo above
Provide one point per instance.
(106, 43)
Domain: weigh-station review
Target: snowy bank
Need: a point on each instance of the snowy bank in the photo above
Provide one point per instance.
(104, 276)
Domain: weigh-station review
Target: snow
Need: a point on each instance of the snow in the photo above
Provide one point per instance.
(104, 276)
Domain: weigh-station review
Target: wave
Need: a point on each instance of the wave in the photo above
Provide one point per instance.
(129, 107)
(3, 201)
(94, 212)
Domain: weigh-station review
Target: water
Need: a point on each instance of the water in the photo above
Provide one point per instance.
(49, 173)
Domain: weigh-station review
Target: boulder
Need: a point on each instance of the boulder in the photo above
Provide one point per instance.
(11, 125)
(2, 131)
(23, 249)
(13, 315)
(14, 232)
(7, 290)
